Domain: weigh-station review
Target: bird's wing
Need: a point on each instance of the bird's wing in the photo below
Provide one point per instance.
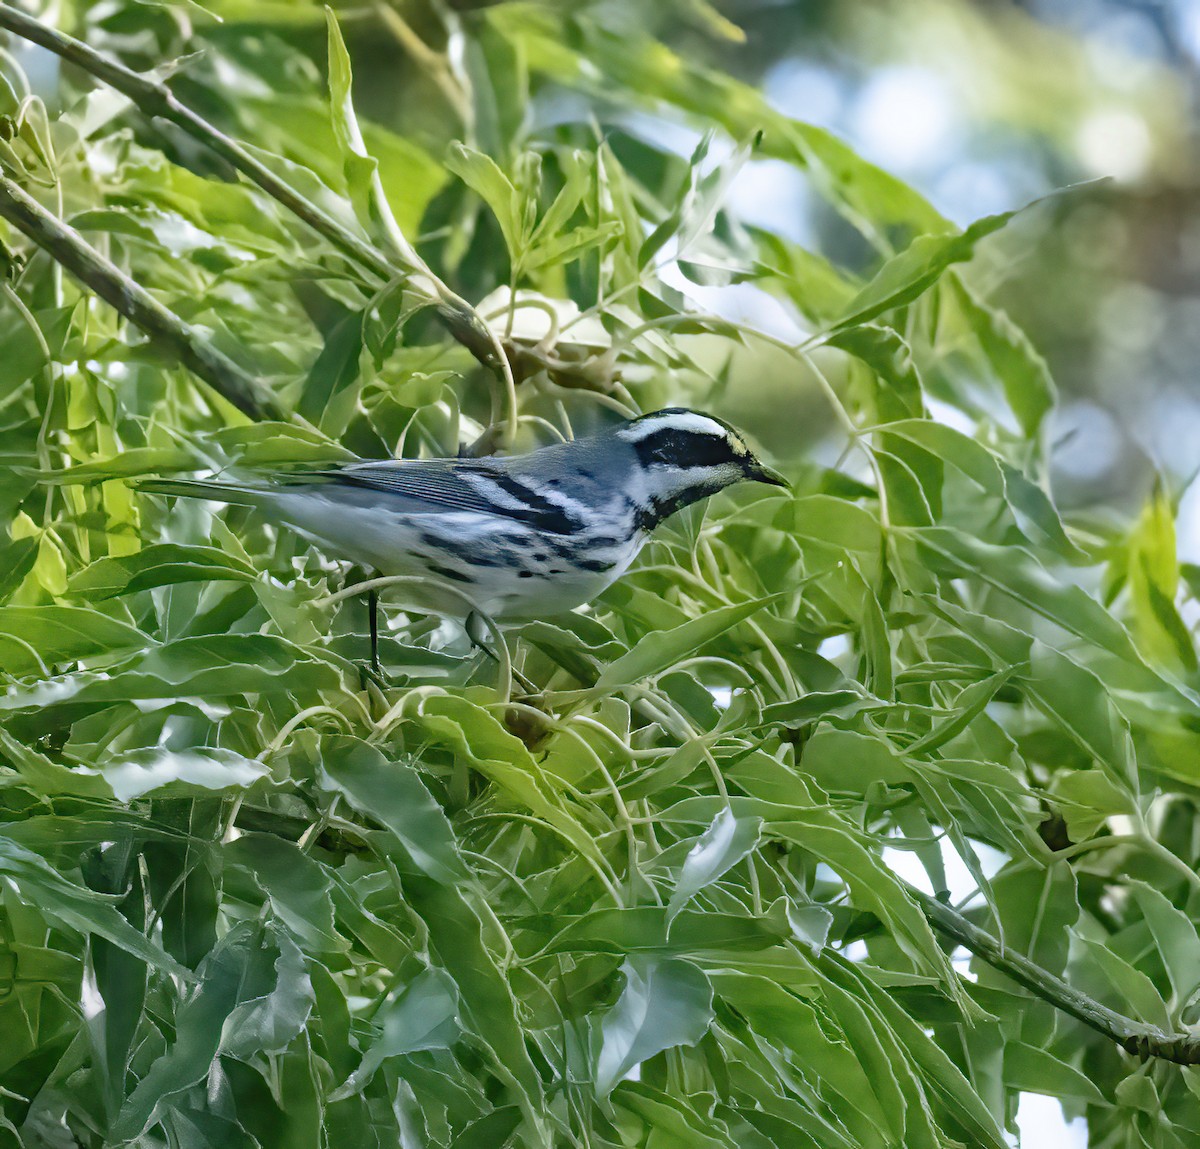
(485, 487)
(430, 485)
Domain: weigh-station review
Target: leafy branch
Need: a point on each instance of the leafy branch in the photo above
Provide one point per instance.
(155, 99)
(65, 245)
(1134, 1037)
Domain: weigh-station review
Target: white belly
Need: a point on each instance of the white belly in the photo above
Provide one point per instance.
(505, 570)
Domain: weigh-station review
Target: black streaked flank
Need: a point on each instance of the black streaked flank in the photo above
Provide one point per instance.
(447, 572)
(593, 566)
(471, 555)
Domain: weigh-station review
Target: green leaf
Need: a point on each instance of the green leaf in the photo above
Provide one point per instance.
(1176, 938)
(198, 1029)
(1037, 1071)
(358, 167)
(392, 793)
(1069, 694)
(61, 634)
(1153, 571)
(645, 929)
(481, 174)
(667, 1119)
(297, 887)
(157, 769)
(786, 1020)
(160, 564)
(658, 651)
(479, 741)
(664, 1003)
(421, 1015)
(61, 900)
(16, 561)
(907, 276)
(886, 353)
(1017, 573)
(818, 289)
(136, 461)
(1028, 386)
(210, 666)
(725, 843)
(873, 886)
(1030, 506)
(1134, 991)
(1087, 798)
(270, 1022)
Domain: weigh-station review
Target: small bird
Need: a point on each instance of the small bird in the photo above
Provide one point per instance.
(521, 536)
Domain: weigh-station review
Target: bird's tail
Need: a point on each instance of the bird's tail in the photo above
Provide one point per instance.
(235, 494)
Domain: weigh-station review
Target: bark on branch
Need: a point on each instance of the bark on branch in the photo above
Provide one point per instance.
(65, 245)
(1134, 1037)
(154, 98)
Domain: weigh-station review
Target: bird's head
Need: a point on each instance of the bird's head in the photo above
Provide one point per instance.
(685, 456)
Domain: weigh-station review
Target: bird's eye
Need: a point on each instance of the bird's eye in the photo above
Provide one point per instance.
(675, 449)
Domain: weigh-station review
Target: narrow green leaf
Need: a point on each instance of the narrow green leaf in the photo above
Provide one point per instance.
(481, 174)
(659, 651)
(135, 461)
(297, 886)
(1128, 989)
(211, 666)
(887, 354)
(61, 634)
(915, 270)
(1176, 938)
(198, 1028)
(482, 743)
(665, 1003)
(270, 1021)
(78, 909)
(1038, 1071)
(157, 769)
(421, 1015)
(392, 793)
(725, 843)
(1024, 374)
(358, 167)
(160, 564)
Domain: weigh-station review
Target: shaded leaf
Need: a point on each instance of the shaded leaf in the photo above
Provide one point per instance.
(664, 1003)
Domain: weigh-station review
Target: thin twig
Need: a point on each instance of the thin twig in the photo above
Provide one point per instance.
(68, 248)
(154, 98)
(1134, 1037)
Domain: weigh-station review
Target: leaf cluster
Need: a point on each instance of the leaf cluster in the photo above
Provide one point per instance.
(657, 900)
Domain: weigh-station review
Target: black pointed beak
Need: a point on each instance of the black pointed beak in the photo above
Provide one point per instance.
(761, 473)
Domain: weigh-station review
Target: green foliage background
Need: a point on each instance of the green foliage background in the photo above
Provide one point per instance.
(247, 902)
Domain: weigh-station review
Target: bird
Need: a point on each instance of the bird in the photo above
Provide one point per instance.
(521, 536)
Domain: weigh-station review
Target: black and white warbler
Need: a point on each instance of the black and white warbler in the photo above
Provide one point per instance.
(522, 536)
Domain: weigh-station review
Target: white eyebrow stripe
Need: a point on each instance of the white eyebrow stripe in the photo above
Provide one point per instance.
(693, 422)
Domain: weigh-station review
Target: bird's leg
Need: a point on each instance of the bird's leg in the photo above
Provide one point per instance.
(373, 624)
(476, 630)
(373, 671)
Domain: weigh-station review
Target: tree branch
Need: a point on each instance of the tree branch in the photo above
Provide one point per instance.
(65, 245)
(153, 98)
(1134, 1037)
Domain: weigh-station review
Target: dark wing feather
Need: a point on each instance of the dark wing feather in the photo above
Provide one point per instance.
(428, 484)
